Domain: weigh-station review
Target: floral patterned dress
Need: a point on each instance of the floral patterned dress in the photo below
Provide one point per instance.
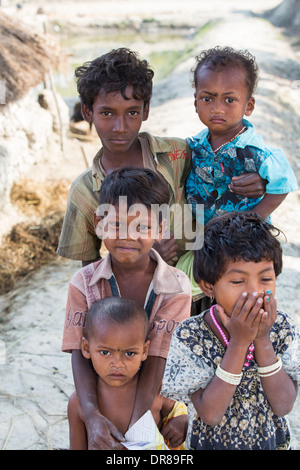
(249, 423)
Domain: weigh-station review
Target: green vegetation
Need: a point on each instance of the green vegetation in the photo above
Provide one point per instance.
(164, 62)
(84, 48)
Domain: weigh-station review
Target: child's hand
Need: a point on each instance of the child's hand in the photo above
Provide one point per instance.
(248, 185)
(103, 435)
(167, 248)
(175, 430)
(268, 316)
(243, 323)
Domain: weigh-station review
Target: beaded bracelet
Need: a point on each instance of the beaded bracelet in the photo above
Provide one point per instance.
(270, 370)
(233, 379)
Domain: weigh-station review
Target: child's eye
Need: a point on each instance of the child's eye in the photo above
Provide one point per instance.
(206, 99)
(106, 113)
(116, 224)
(130, 354)
(104, 352)
(237, 282)
(143, 228)
(133, 113)
(230, 100)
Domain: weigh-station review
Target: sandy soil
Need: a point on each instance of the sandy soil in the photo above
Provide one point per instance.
(35, 377)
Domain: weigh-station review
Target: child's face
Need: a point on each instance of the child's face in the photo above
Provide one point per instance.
(116, 351)
(117, 121)
(127, 234)
(244, 276)
(222, 99)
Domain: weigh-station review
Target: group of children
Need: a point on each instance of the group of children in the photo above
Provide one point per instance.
(152, 325)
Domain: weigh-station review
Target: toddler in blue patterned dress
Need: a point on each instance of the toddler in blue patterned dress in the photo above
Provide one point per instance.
(237, 364)
(224, 81)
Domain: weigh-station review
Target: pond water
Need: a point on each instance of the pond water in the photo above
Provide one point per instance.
(163, 50)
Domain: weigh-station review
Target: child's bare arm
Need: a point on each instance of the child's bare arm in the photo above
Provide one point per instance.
(102, 433)
(172, 311)
(174, 429)
(268, 204)
(212, 402)
(279, 387)
(167, 248)
(77, 431)
(149, 383)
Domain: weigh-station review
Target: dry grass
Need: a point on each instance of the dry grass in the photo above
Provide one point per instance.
(31, 245)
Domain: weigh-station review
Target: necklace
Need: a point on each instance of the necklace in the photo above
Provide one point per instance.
(251, 347)
(228, 142)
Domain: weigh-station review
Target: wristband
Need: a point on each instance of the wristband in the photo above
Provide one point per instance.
(270, 370)
(233, 379)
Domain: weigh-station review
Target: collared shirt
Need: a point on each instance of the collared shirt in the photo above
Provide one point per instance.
(211, 173)
(171, 158)
(91, 283)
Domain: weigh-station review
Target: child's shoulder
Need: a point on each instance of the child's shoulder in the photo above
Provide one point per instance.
(82, 180)
(168, 278)
(85, 274)
(284, 332)
(173, 146)
(193, 324)
(161, 141)
(183, 278)
(285, 323)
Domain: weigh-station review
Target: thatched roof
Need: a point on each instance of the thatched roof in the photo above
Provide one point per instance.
(25, 57)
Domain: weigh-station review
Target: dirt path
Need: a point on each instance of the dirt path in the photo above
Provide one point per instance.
(35, 377)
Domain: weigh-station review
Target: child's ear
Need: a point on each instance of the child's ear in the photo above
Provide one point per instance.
(85, 350)
(146, 111)
(195, 102)
(86, 113)
(207, 288)
(146, 349)
(98, 225)
(250, 106)
(162, 228)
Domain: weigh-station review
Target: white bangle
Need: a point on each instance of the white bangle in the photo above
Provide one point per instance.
(270, 370)
(233, 379)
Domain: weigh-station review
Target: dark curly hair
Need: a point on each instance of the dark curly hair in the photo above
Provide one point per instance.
(114, 71)
(227, 56)
(236, 236)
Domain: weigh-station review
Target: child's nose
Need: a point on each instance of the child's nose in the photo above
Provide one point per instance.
(255, 287)
(119, 124)
(216, 107)
(128, 233)
(118, 360)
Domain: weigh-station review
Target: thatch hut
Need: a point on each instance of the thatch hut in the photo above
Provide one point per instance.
(25, 57)
(32, 117)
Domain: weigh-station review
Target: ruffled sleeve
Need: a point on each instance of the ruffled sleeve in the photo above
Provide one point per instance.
(277, 170)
